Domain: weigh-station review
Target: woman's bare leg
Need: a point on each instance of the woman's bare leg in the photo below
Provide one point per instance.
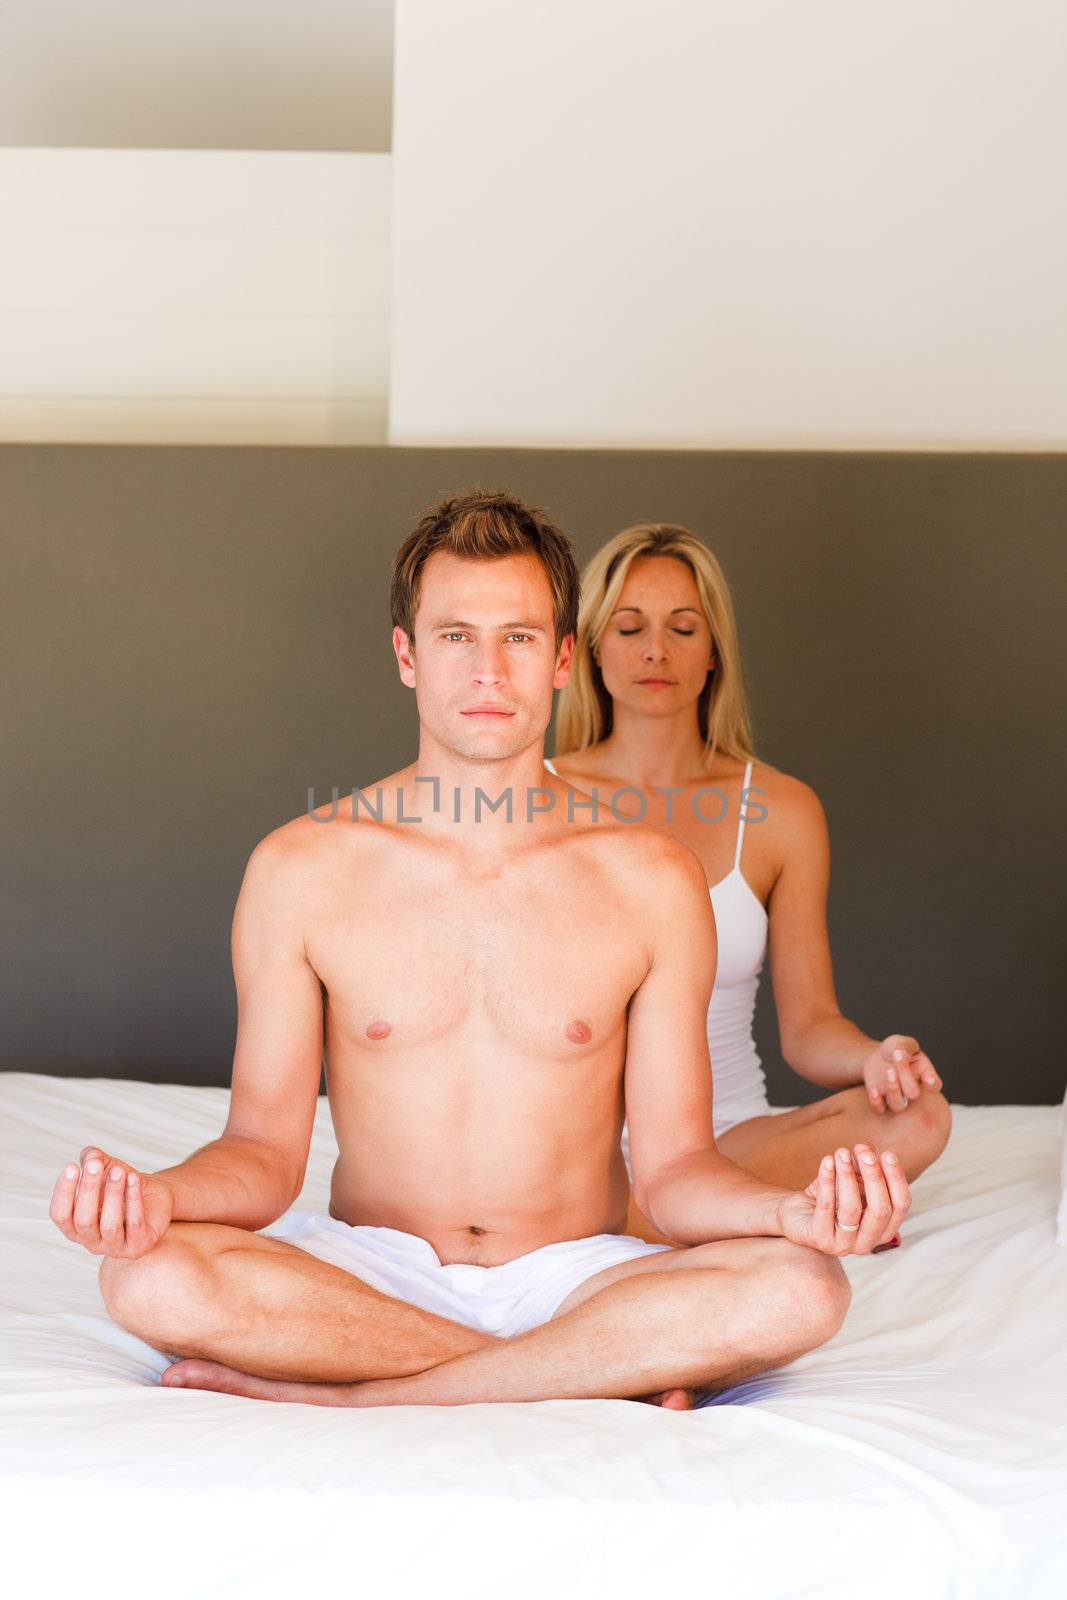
(786, 1147)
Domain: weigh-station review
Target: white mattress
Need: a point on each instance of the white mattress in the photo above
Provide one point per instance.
(921, 1453)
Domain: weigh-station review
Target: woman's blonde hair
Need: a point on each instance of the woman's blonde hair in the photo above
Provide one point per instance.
(585, 713)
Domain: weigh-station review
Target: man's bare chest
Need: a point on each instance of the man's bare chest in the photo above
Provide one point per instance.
(548, 970)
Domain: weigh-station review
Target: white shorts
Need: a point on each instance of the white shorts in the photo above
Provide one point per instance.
(504, 1300)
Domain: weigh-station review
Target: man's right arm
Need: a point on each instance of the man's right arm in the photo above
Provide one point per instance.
(254, 1171)
(250, 1175)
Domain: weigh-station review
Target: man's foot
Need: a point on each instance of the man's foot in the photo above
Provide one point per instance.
(672, 1399)
(196, 1374)
(213, 1375)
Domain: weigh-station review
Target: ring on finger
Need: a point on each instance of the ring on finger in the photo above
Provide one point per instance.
(848, 1227)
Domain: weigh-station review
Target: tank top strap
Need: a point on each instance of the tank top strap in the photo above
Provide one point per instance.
(741, 823)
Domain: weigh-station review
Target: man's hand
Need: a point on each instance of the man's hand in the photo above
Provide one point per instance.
(840, 1215)
(896, 1071)
(110, 1208)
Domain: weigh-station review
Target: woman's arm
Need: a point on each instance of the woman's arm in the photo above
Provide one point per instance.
(818, 1042)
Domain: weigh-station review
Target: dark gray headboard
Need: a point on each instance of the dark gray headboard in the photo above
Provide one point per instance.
(191, 637)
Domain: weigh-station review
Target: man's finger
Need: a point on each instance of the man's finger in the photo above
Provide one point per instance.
(849, 1200)
(899, 1192)
(87, 1203)
(61, 1209)
(876, 1095)
(137, 1237)
(879, 1207)
(90, 1151)
(112, 1212)
(825, 1203)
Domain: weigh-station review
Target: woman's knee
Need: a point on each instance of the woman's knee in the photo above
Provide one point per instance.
(935, 1118)
(919, 1134)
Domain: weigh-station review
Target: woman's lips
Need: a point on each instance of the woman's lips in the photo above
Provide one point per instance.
(487, 711)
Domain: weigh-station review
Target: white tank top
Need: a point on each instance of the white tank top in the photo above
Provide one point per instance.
(739, 1083)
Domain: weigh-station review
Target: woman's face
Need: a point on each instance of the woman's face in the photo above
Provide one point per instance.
(656, 650)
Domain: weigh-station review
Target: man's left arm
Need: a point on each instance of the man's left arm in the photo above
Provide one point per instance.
(682, 1182)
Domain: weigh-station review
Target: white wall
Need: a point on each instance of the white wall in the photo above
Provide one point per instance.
(810, 223)
(197, 74)
(188, 297)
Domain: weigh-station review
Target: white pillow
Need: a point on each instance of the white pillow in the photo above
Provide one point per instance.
(1061, 1223)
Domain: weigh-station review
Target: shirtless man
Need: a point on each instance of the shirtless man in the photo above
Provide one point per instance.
(490, 992)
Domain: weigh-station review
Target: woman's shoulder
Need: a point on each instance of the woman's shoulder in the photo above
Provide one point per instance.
(792, 796)
(798, 830)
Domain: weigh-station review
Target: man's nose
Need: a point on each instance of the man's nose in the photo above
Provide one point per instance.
(489, 665)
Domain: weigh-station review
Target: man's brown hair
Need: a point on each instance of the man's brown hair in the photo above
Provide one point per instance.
(482, 526)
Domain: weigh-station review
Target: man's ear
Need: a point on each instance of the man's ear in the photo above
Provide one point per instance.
(404, 650)
(564, 661)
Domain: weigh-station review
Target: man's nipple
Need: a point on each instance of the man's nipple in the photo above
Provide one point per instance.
(579, 1032)
(378, 1029)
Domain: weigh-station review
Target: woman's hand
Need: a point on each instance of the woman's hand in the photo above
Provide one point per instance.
(840, 1213)
(109, 1207)
(896, 1072)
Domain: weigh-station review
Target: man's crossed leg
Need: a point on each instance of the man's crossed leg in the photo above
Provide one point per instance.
(256, 1316)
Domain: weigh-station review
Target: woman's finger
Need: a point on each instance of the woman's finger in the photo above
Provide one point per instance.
(927, 1071)
(896, 1099)
(876, 1095)
(910, 1083)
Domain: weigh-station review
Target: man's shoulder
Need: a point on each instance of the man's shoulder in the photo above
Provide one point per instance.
(294, 847)
(652, 864)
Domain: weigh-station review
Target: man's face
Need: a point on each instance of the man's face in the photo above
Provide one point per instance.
(485, 661)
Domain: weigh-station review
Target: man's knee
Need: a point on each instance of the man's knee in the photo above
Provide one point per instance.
(168, 1288)
(810, 1291)
(794, 1298)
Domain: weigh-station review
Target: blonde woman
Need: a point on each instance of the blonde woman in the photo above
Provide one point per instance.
(655, 705)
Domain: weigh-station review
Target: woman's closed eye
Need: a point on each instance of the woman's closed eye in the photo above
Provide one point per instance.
(686, 633)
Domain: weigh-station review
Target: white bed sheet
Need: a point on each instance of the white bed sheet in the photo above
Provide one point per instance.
(921, 1453)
